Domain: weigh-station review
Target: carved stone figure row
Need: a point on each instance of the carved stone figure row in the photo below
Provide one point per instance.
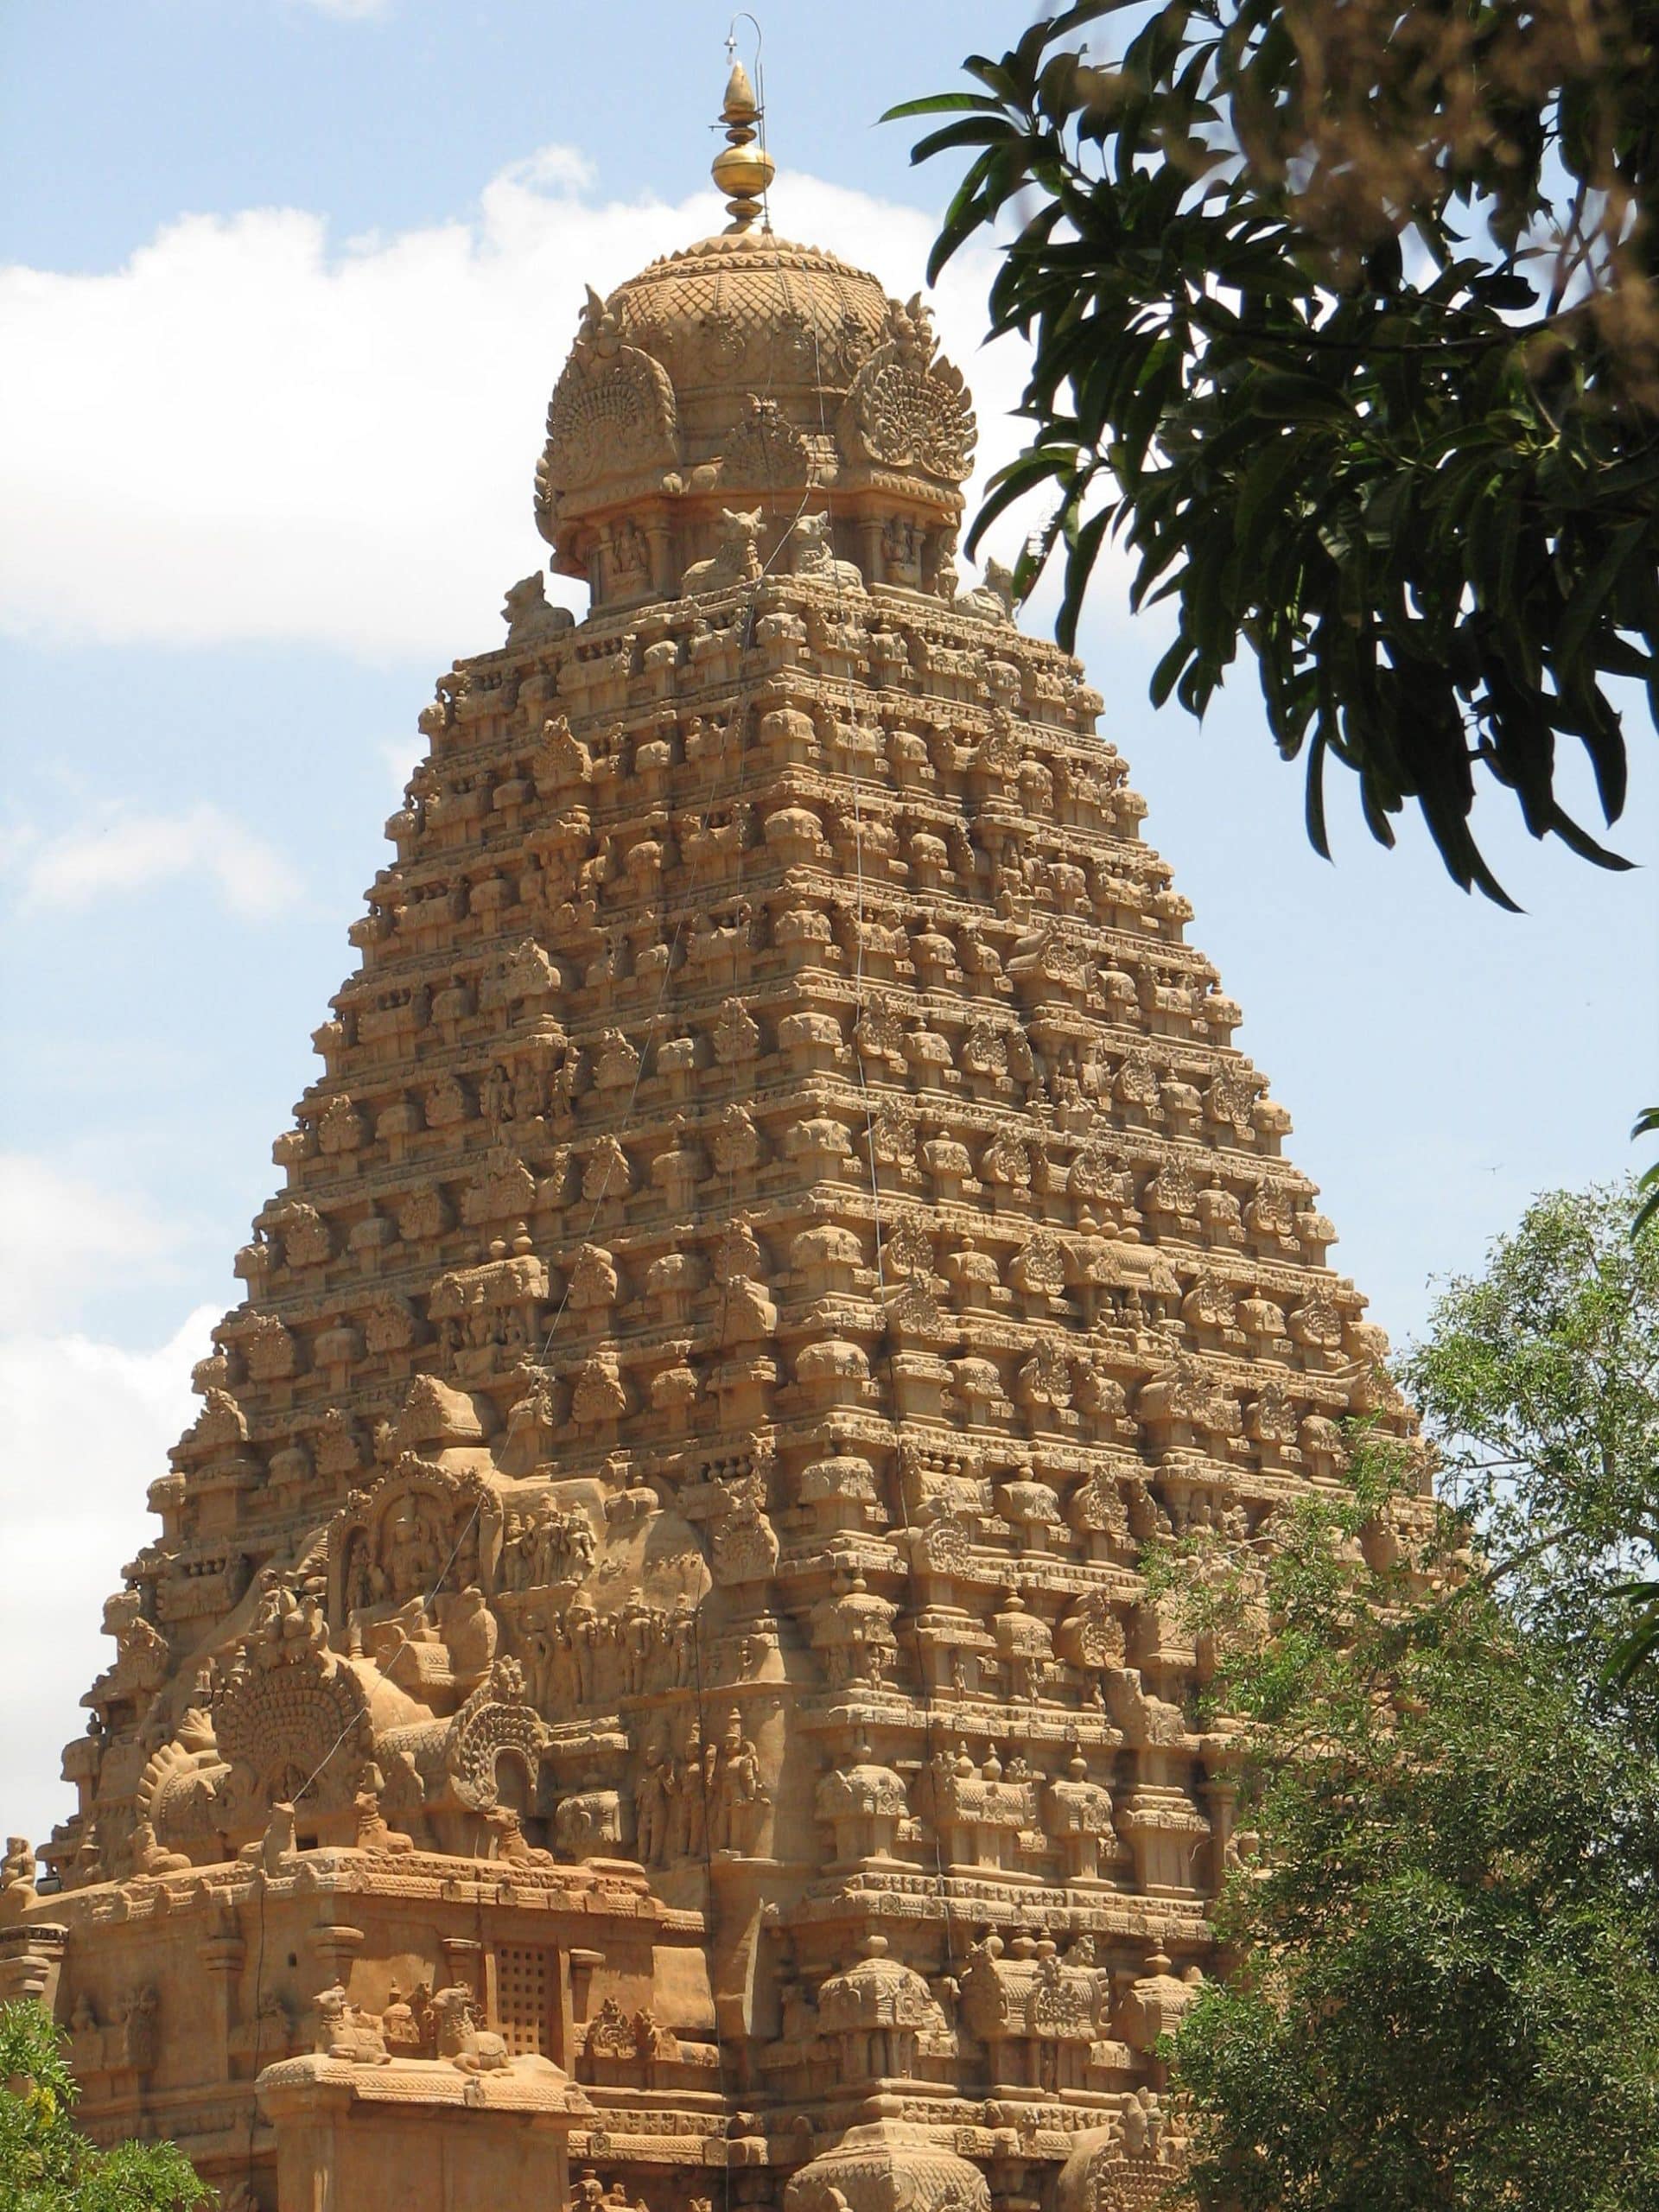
(710, 1797)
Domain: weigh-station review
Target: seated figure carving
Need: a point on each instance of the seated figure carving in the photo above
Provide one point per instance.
(812, 555)
(736, 559)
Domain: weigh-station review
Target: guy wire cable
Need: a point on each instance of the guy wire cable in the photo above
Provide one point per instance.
(744, 17)
(897, 1417)
(390, 1663)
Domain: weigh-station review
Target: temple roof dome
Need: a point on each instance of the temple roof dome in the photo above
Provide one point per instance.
(747, 402)
(751, 312)
(744, 374)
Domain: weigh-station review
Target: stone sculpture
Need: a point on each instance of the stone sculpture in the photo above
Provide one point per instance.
(647, 1642)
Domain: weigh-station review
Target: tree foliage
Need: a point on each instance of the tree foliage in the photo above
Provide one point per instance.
(1647, 1125)
(1540, 1378)
(1444, 1986)
(1344, 324)
(46, 2164)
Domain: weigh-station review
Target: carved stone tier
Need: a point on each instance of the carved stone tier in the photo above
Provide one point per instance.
(648, 1659)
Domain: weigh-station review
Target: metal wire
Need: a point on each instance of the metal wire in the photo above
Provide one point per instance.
(388, 1664)
(744, 17)
(897, 1417)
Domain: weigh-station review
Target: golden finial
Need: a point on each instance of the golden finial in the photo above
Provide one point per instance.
(743, 168)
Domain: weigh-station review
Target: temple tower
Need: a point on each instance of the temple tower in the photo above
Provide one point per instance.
(645, 1691)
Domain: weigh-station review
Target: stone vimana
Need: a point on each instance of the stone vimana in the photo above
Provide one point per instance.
(645, 1691)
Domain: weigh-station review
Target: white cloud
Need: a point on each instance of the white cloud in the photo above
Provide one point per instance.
(268, 434)
(123, 851)
(88, 1430)
(88, 1427)
(63, 1237)
(348, 10)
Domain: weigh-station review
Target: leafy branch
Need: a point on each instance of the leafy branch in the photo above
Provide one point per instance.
(1276, 262)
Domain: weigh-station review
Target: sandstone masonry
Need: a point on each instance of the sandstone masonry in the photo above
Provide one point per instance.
(644, 1693)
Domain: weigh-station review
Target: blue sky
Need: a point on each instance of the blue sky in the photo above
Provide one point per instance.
(285, 287)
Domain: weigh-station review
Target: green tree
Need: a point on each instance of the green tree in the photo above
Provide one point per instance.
(1540, 1381)
(46, 2164)
(1345, 322)
(1443, 1985)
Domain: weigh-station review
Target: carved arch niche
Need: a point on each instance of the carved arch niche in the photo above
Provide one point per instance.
(423, 1529)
